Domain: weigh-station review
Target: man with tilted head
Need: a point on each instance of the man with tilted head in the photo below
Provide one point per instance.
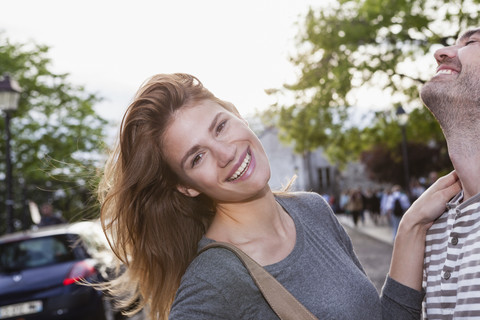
(452, 257)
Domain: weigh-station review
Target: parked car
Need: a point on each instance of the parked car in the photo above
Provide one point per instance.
(40, 270)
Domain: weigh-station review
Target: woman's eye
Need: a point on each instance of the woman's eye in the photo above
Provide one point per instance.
(470, 42)
(197, 159)
(221, 126)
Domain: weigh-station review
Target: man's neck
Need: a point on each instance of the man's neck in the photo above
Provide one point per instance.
(465, 156)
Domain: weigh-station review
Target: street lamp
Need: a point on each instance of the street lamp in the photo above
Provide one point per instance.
(9, 96)
(402, 118)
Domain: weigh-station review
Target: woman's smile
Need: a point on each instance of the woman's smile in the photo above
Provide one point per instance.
(242, 169)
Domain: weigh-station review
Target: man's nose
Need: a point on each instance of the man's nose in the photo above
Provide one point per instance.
(445, 53)
(225, 153)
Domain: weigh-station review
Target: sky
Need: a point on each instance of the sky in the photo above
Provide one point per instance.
(236, 48)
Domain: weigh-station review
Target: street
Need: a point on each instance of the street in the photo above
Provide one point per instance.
(374, 255)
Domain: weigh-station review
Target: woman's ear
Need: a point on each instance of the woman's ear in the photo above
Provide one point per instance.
(189, 192)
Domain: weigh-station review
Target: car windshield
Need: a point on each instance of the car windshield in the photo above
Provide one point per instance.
(33, 253)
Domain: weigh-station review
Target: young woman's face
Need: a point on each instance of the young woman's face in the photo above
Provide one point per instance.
(214, 152)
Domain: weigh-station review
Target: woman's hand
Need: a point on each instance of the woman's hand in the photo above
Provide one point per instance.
(409, 247)
(432, 203)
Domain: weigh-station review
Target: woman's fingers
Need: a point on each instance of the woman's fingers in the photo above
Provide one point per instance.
(446, 180)
(431, 204)
(445, 187)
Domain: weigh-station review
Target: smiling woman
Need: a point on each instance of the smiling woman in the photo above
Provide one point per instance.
(187, 172)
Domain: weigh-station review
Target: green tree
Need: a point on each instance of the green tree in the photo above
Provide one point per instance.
(356, 44)
(379, 146)
(56, 135)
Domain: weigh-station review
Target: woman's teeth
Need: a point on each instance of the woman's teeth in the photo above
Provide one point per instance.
(241, 170)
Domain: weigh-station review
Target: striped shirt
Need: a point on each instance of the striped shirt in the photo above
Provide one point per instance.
(452, 262)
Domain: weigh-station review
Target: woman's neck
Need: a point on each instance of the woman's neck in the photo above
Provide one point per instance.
(260, 227)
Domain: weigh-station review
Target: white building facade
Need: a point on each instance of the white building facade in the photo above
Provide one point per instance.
(314, 172)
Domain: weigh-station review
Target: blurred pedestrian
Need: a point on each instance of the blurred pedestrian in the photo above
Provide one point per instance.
(354, 205)
(384, 215)
(342, 203)
(396, 205)
(48, 216)
(372, 205)
(416, 190)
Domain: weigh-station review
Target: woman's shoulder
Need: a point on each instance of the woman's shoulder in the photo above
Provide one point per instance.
(214, 282)
(298, 195)
(216, 266)
(309, 207)
(216, 285)
(302, 198)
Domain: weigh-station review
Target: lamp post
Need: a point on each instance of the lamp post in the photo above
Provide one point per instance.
(402, 118)
(9, 96)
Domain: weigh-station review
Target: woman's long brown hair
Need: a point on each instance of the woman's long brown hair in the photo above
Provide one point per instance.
(152, 228)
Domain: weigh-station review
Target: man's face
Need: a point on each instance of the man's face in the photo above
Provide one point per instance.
(453, 94)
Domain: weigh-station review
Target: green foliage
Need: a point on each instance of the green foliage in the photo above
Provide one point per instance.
(56, 134)
(354, 44)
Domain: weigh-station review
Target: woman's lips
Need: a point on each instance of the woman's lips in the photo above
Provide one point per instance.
(242, 168)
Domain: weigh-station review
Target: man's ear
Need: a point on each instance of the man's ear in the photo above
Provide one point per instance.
(189, 192)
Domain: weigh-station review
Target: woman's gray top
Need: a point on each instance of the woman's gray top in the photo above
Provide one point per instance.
(322, 272)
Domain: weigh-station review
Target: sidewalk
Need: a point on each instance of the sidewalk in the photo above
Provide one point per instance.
(382, 231)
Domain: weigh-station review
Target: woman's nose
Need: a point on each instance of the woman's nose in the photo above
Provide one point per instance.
(445, 53)
(225, 153)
